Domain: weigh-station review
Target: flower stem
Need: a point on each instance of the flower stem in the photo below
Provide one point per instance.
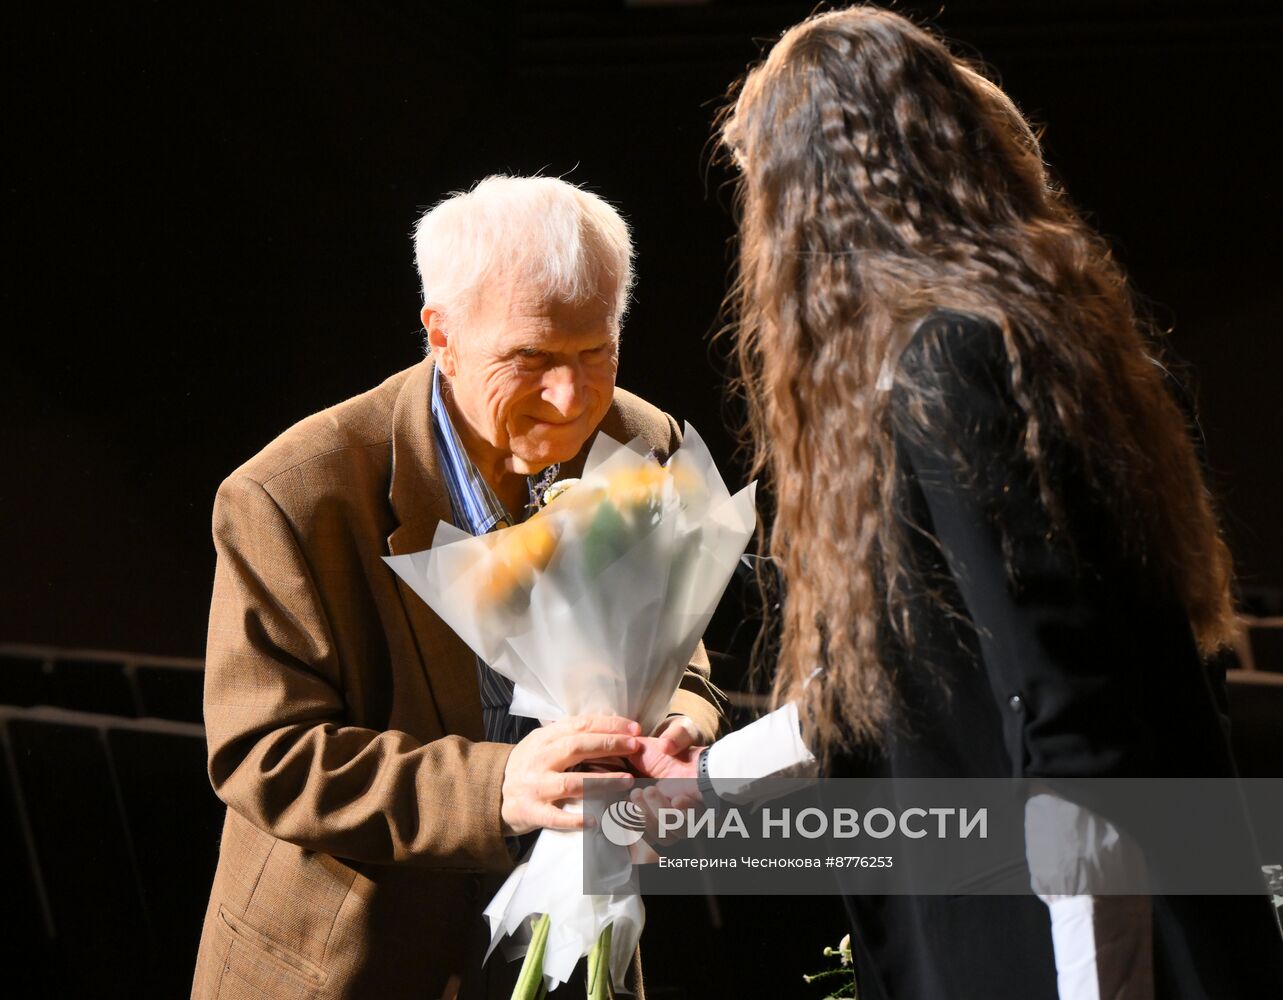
(825, 974)
(599, 985)
(530, 985)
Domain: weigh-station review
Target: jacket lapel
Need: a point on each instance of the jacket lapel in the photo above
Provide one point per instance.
(419, 502)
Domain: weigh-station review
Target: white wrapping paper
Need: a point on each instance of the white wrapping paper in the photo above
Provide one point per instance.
(594, 605)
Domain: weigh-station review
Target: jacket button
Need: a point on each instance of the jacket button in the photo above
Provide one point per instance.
(1015, 703)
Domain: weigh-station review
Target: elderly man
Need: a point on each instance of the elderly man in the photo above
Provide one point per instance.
(374, 779)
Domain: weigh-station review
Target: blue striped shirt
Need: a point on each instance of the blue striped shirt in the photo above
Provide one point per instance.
(477, 510)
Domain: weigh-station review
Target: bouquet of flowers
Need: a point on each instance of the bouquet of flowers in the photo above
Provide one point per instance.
(592, 605)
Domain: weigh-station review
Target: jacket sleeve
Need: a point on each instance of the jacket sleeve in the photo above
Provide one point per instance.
(697, 698)
(279, 751)
(1048, 624)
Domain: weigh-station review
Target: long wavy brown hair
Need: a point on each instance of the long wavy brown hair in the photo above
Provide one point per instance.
(883, 177)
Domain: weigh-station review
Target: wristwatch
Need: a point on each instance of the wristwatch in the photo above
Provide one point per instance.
(704, 782)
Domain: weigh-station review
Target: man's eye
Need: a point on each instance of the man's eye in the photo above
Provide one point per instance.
(530, 354)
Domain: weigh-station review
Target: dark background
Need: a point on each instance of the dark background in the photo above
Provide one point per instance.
(209, 209)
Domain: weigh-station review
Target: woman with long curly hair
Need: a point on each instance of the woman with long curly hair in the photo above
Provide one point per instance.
(997, 550)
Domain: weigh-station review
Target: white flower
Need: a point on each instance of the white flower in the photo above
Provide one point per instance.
(557, 489)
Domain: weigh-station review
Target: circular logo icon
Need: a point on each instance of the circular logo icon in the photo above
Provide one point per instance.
(623, 823)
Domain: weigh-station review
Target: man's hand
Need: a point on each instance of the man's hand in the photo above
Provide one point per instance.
(540, 771)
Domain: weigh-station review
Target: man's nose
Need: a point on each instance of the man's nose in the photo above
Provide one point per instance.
(563, 388)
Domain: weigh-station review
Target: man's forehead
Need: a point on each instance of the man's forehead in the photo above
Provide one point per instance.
(546, 332)
(530, 306)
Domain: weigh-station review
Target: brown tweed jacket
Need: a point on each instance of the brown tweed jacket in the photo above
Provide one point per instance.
(362, 836)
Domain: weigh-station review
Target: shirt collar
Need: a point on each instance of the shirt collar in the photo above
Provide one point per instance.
(476, 508)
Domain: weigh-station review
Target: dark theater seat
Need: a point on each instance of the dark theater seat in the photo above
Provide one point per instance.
(171, 691)
(122, 684)
(101, 931)
(1256, 722)
(1265, 636)
(91, 685)
(123, 825)
(22, 679)
(25, 950)
(175, 820)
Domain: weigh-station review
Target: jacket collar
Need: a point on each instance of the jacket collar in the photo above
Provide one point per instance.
(419, 502)
(417, 492)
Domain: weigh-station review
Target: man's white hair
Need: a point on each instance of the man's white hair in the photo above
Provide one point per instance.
(566, 241)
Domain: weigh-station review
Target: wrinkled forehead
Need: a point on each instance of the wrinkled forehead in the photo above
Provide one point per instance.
(515, 301)
(537, 286)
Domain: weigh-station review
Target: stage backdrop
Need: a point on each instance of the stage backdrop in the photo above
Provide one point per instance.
(210, 207)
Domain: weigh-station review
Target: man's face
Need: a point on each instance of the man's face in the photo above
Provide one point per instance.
(530, 378)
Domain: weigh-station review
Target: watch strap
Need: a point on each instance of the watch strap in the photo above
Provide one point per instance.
(704, 782)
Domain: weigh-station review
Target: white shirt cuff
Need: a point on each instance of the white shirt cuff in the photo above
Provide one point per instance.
(761, 761)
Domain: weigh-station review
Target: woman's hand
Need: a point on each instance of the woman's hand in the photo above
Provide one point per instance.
(679, 731)
(656, 757)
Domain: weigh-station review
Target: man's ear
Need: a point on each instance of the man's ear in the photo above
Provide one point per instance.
(442, 349)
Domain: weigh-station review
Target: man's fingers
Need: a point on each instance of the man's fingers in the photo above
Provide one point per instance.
(552, 818)
(584, 746)
(601, 724)
(610, 780)
(570, 784)
(606, 763)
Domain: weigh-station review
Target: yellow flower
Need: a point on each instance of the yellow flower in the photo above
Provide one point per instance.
(638, 485)
(515, 556)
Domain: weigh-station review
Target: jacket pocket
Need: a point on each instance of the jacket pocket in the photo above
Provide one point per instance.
(264, 965)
